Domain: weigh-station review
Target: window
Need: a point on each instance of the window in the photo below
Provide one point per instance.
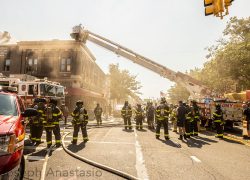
(65, 65)
(32, 90)
(59, 91)
(7, 105)
(7, 65)
(47, 90)
(32, 65)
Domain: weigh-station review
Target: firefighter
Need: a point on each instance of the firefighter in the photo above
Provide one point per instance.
(65, 112)
(48, 124)
(188, 120)
(38, 121)
(195, 120)
(80, 120)
(98, 114)
(246, 112)
(181, 118)
(174, 118)
(139, 116)
(33, 124)
(218, 121)
(150, 115)
(162, 114)
(126, 113)
(51, 123)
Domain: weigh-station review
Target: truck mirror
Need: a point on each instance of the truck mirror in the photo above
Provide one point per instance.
(29, 112)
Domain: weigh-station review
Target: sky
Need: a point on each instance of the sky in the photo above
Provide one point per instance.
(170, 32)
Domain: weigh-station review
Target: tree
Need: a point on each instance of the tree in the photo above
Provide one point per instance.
(122, 83)
(177, 93)
(228, 65)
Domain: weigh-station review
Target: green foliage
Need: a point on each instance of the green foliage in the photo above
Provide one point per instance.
(177, 93)
(228, 65)
(122, 83)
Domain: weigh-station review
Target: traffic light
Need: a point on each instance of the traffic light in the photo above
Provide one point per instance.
(215, 7)
(209, 8)
(228, 2)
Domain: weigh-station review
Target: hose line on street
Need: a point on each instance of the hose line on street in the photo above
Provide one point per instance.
(43, 173)
(98, 165)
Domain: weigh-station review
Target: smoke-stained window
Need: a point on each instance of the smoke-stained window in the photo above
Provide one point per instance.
(7, 65)
(32, 65)
(65, 65)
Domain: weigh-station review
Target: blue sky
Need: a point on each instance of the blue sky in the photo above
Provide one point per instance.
(172, 33)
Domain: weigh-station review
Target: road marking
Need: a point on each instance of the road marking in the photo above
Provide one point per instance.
(106, 142)
(34, 158)
(107, 133)
(194, 158)
(140, 165)
(110, 142)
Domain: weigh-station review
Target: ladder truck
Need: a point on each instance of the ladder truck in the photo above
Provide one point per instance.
(196, 88)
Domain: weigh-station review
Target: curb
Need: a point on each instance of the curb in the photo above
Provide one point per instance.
(233, 138)
(237, 139)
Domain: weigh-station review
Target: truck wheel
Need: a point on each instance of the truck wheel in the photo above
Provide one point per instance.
(229, 125)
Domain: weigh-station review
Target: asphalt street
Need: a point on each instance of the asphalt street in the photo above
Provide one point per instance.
(139, 154)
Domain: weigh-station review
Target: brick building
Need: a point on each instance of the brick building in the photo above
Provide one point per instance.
(68, 62)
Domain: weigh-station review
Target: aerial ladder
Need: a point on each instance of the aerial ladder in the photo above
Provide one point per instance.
(196, 88)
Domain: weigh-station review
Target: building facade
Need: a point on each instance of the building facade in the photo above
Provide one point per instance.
(67, 62)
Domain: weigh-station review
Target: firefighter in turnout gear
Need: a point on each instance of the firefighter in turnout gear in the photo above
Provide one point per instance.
(32, 125)
(51, 123)
(195, 120)
(174, 118)
(150, 112)
(189, 119)
(218, 121)
(139, 116)
(98, 114)
(126, 113)
(80, 120)
(37, 121)
(181, 118)
(162, 115)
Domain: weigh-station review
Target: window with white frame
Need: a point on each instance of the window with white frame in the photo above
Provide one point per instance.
(65, 65)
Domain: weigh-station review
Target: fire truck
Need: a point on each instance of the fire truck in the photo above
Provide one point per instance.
(30, 89)
(232, 111)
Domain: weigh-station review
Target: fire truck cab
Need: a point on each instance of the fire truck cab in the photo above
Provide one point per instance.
(29, 89)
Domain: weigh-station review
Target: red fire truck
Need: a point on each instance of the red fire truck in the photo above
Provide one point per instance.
(232, 111)
(28, 90)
